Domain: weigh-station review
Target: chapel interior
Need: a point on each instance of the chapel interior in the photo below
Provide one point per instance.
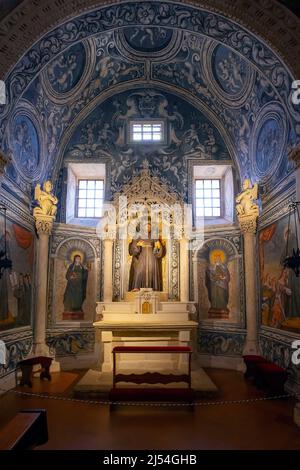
(150, 223)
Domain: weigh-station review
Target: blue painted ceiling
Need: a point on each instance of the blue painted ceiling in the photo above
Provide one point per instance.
(223, 94)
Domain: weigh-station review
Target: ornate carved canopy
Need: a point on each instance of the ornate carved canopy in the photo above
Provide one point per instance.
(148, 190)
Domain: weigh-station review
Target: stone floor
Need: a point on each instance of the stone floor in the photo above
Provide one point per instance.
(261, 425)
(95, 383)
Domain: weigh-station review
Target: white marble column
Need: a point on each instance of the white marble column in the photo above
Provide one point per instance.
(44, 226)
(184, 270)
(247, 216)
(250, 257)
(108, 270)
(44, 215)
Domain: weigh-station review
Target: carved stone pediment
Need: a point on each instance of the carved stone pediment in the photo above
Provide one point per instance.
(147, 189)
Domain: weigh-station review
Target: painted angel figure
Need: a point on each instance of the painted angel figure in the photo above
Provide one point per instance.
(245, 204)
(46, 200)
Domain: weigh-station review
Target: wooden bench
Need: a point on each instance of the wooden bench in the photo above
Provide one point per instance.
(157, 394)
(26, 367)
(271, 376)
(25, 431)
(251, 362)
(265, 374)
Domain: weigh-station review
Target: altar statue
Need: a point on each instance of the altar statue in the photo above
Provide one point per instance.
(75, 293)
(146, 269)
(245, 200)
(46, 200)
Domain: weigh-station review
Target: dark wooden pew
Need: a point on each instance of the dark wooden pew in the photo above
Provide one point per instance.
(26, 366)
(25, 431)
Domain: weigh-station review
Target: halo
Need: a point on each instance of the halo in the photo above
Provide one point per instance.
(214, 253)
(77, 253)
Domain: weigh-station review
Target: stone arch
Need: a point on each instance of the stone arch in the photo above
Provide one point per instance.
(100, 99)
(96, 17)
(38, 18)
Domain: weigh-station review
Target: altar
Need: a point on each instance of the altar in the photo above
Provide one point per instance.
(146, 318)
(145, 299)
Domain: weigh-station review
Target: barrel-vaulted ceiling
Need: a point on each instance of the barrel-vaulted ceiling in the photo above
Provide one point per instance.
(224, 93)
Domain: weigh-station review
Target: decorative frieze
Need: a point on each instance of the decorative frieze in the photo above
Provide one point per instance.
(282, 29)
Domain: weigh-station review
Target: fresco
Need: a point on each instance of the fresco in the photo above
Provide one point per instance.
(66, 70)
(25, 144)
(148, 39)
(280, 288)
(105, 132)
(74, 290)
(267, 145)
(218, 281)
(269, 140)
(229, 69)
(16, 283)
(157, 43)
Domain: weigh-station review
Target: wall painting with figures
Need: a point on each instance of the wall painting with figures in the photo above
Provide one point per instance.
(218, 281)
(280, 288)
(74, 291)
(105, 133)
(16, 283)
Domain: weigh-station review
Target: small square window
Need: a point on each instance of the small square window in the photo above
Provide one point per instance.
(90, 196)
(208, 198)
(147, 131)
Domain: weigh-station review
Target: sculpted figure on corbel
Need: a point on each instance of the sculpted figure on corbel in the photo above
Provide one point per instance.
(246, 207)
(46, 200)
(45, 212)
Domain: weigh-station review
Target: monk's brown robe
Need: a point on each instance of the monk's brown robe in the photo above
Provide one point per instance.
(146, 269)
